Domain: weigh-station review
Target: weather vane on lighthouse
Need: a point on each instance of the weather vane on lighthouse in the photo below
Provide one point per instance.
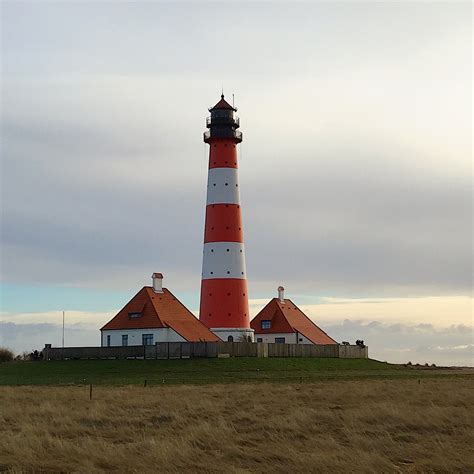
(224, 304)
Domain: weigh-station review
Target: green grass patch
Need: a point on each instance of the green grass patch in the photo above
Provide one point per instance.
(198, 371)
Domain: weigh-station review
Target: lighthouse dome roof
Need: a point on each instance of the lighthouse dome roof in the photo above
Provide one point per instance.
(223, 104)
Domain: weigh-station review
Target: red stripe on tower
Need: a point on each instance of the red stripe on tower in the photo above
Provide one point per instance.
(224, 304)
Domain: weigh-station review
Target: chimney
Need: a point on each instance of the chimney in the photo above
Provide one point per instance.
(281, 294)
(157, 279)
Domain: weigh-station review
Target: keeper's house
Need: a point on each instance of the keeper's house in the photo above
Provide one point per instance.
(282, 321)
(154, 314)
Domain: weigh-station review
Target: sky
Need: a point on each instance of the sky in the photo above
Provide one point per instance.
(355, 167)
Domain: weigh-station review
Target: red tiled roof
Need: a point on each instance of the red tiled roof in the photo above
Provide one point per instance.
(160, 310)
(222, 104)
(287, 317)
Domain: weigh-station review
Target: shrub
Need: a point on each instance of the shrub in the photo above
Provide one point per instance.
(6, 355)
(23, 356)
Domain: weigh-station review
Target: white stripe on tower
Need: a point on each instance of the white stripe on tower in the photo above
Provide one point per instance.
(223, 186)
(224, 260)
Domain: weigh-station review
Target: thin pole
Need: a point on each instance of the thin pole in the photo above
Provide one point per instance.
(63, 329)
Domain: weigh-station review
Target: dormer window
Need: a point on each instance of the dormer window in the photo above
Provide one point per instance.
(134, 315)
(266, 324)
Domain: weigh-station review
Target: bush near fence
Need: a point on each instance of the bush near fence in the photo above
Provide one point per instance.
(191, 350)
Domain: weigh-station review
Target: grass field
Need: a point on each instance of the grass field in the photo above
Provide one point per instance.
(235, 415)
(365, 425)
(233, 370)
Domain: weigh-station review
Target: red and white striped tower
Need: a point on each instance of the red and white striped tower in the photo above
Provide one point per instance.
(224, 296)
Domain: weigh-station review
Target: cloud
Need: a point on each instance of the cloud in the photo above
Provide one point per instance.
(28, 337)
(74, 318)
(468, 348)
(108, 195)
(418, 343)
(28, 331)
(441, 311)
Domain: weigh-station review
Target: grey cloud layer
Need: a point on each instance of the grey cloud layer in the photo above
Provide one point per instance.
(28, 337)
(400, 343)
(80, 198)
(352, 173)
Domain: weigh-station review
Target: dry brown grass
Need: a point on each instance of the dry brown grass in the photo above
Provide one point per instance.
(364, 426)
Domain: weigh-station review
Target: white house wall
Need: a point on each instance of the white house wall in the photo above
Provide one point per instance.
(237, 334)
(290, 337)
(135, 336)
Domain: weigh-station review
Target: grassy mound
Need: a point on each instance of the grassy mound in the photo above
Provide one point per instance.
(201, 371)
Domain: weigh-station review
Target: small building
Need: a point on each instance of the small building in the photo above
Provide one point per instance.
(154, 314)
(282, 321)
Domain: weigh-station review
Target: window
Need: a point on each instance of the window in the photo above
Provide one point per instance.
(226, 113)
(108, 340)
(259, 339)
(147, 339)
(230, 339)
(280, 340)
(134, 315)
(124, 339)
(265, 324)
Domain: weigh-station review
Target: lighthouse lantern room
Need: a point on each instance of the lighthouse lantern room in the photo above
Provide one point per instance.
(224, 296)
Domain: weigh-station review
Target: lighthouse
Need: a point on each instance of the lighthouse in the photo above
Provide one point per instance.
(224, 304)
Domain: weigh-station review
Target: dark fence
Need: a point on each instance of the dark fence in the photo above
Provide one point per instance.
(190, 350)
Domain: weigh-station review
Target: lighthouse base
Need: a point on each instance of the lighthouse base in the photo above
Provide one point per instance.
(234, 334)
